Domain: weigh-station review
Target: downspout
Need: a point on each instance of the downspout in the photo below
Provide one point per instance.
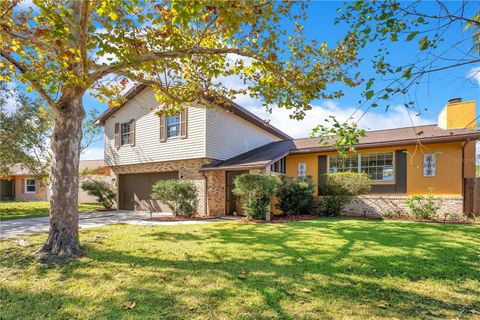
(463, 172)
(205, 201)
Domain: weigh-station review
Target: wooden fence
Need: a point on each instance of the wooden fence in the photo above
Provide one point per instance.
(471, 199)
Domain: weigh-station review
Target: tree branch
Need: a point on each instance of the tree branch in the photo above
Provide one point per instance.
(34, 83)
(84, 15)
(103, 70)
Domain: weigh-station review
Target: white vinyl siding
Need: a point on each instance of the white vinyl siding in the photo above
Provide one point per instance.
(148, 147)
(229, 135)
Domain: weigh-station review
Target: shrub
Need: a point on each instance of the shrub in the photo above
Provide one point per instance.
(179, 195)
(422, 207)
(339, 188)
(295, 195)
(257, 190)
(100, 190)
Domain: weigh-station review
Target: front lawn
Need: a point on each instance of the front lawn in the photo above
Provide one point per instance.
(315, 269)
(15, 210)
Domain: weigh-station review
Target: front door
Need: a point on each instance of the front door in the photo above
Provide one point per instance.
(233, 202)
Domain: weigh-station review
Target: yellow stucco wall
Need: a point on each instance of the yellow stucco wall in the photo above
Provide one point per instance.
(448, 178)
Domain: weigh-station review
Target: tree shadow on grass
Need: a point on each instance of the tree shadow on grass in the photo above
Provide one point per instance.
(301, 269)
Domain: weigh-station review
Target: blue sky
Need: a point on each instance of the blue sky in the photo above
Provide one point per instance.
(430, 95)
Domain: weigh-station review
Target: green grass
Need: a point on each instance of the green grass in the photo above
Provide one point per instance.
(316, 269)
(16, 210)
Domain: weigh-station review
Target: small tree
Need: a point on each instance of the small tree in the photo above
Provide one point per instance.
(258, 191)
(339, 188)
(179, 195)
(102, 191)
(295, 195)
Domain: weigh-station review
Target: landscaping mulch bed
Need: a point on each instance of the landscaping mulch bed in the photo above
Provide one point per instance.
(178, 218)
(475, 222)
(282, 219)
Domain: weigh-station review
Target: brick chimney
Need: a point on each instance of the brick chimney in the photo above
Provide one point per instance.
(458, 114)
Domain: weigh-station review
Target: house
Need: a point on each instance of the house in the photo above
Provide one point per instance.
(211, 146)
(23, 185)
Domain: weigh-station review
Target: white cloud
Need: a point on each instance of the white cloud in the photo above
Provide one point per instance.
(395, 117)
(474, 74)
(92, 154)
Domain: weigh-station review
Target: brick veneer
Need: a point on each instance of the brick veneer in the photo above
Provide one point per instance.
(188, 170)
(377, 205)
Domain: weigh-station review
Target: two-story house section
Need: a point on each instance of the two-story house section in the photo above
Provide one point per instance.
(142, 147)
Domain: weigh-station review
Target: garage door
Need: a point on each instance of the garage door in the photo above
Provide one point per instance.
(135, 190)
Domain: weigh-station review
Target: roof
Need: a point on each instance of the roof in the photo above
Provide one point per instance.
(268, 154)
(256, 158)
(19, 169)
(228, 105)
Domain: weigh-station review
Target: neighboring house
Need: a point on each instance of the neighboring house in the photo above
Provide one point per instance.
(22, 185)
(210, 146)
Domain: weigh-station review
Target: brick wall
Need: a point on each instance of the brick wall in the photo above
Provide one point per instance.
(376, 206)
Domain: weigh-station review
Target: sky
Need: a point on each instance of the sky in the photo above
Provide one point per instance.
(431, 96)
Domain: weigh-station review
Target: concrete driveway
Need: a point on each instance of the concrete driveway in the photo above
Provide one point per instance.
(21, 227)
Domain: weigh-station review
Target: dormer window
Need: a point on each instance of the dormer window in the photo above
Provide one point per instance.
(173, 126)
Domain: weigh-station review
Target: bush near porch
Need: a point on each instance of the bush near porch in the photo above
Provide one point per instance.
(17, 209)
(329, 268)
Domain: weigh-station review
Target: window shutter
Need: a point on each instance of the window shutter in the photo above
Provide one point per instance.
(183, 123)
(132, 132)
(23, 185)
(117, 135)
(163, 128)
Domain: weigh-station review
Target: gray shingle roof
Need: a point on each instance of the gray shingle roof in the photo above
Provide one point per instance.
(269, 153)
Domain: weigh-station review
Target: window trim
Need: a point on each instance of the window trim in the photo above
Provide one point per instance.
(129, 133)
(359, 166)
(179, 124)
(34, 185)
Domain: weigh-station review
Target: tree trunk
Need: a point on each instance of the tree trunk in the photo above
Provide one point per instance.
(62, 242)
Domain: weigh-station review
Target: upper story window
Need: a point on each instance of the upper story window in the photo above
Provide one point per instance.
(125, 133)
(378, 166)
(278, 166)
(30, 186)
(302, 170)
(173, 126)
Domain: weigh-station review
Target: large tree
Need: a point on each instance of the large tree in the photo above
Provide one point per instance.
(184, 50)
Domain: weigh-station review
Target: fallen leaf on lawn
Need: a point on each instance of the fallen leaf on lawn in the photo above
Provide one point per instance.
(242, 276)
(129, 305)
(299, 260)
(22, 243)
(306, 290)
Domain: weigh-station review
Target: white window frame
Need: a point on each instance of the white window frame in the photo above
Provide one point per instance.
(127, 134)
(300, 170)
(34, 185)
(434, 160)
(359, 166)
(176, 124)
